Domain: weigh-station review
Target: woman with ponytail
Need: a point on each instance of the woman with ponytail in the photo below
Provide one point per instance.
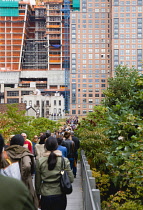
(47, 178)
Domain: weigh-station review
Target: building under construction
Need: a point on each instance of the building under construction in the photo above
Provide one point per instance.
(69, 46)
(34, 45)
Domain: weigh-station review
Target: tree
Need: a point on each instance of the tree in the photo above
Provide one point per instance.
(121, 88)
(14, 121)
(121, 124)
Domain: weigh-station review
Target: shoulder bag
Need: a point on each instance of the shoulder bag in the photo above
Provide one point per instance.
(66, 186)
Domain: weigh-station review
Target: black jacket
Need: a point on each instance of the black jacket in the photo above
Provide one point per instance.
(76, 142)
(69, 144)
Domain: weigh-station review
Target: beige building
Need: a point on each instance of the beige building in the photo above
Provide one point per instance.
(37, 105)
(90, 54)
(51, 107)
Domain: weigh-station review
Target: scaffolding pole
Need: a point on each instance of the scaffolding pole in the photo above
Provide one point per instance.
(66, 11)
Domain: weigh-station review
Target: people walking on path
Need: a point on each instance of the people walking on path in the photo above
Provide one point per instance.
(60, 147)
(16, 152)
(77, 145)
(27, 142)
(34, 142)
(40, 147)
(14, 194)
(47, 178)
(69, 144)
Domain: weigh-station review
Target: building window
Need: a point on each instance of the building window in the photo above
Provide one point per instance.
(84, 101)
(25, 102)
(84, 111)
(12, 100)
(103, 85)
(54, 102)
(90, 101)
(59, 102)
(30, 103)
(73, 111)
(47, 102)
(12, 93)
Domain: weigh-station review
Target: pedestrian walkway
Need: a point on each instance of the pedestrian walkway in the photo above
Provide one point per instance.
(75, 200)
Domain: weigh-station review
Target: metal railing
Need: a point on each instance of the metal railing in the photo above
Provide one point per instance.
(91, 195)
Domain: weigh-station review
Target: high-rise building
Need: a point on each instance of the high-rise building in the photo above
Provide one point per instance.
(69, 46)
(90, 54)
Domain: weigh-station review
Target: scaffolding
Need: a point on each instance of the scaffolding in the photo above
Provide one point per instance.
(12, 33)
(34, 50)
(66, 64)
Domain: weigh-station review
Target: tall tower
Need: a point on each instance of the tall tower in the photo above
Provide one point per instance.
(90, 51)
(127, 25)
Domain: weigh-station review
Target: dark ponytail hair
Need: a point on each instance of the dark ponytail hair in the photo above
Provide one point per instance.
(51, 145)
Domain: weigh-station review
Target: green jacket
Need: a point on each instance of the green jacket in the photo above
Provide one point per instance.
(14, 195)
(26, 163)
(48, 182)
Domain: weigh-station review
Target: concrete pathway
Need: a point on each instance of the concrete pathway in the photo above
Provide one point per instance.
(75, 200)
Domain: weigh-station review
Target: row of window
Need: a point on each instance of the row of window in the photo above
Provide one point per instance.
(88, 46)
(89, 80)
(89, 72)
(91, 85)
(97, 61)
(128, 9)
(91, 21)
(127, 15)
(79, 112)
(79, 16)
(96, 76)
(117, 2)
(16, 93)
(127, 46)
(84, 101)
(89, 55)
(90, 31)
(91, 95)
(95, 10)
(126, 52)
(16, 100)
(89, 66)
(128, 41)
(89, 90)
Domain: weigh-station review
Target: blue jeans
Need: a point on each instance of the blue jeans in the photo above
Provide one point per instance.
(71, 162)
(53, 202)
(75, 164)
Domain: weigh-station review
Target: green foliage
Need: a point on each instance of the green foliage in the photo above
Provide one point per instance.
(93, 140)
(42, 124)
(112, 137)
(121, 87)
(102, 182)
(15, 122)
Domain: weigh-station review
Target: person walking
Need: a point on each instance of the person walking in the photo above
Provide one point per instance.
(60, 147)
(69, 144)
(47, 178)
(14, 194)
(77, 145)
(27, 142)
(40, 148)
(16, 152)
(34, 142)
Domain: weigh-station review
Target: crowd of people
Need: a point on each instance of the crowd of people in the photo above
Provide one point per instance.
(39, 160)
